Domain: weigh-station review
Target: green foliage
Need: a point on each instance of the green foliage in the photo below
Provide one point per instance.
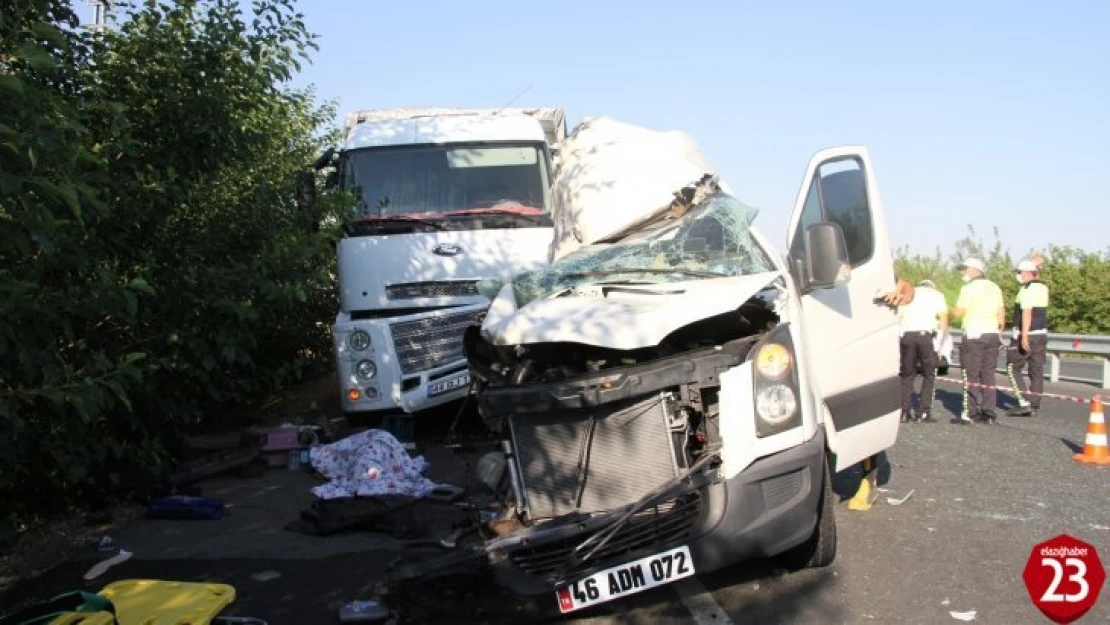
(1078, 281)
(155, 272)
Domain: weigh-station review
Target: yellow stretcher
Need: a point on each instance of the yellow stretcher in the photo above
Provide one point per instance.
(160, 602)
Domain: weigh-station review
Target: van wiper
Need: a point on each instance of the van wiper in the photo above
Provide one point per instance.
(610, 272)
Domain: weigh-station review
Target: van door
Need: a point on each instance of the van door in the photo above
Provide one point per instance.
(852, 336)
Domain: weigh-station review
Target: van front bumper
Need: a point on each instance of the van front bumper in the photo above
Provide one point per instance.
(765, 510)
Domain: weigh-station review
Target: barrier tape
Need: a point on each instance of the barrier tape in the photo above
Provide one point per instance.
(1080, 400)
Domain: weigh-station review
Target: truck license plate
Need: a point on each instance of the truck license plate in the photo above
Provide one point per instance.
(627, 579)
(442, 386)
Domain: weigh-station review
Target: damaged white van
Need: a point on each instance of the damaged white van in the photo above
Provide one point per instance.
(669, 389)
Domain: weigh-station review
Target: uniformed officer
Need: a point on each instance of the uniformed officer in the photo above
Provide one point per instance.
(982, 312)
(921, 318)
(1028, 339)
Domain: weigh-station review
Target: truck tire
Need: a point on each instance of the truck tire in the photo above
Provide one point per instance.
(819, 550)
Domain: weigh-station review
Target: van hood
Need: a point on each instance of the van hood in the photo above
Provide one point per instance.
(617, 316)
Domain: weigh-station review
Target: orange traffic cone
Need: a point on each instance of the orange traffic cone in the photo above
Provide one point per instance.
(1095, 450)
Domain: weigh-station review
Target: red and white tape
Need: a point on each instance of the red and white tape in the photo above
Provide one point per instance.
(1080, 400)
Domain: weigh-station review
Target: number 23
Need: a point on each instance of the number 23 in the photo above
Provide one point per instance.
(1080, 577)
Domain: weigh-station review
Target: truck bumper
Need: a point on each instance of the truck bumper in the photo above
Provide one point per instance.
(767, 509)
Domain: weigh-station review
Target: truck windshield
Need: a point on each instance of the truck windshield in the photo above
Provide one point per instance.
(712, 240)
(429, 181)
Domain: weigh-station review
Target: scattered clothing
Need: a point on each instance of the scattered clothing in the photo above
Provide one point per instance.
(367, 464)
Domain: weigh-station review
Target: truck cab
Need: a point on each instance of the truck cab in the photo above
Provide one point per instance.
(672, 391)
(446, 198)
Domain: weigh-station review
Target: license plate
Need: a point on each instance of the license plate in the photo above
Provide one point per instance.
(626, 579)
(442, 386)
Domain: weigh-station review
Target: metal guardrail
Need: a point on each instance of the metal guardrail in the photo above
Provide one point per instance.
(1092, 371)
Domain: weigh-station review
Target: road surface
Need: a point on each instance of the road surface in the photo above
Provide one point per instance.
(982, 496)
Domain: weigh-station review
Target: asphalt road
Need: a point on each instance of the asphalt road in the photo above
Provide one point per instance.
(982, 497)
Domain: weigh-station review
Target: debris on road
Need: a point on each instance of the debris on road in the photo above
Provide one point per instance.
(184, 507)
(368, 611)
(102, 567)
(897, 502)
(265, 576)
(964, 616)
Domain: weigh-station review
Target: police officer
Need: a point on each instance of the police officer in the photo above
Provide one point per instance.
(982, 312)
(1029, 338)
(921, 318)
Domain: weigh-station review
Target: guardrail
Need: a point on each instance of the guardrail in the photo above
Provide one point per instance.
(1092, 370)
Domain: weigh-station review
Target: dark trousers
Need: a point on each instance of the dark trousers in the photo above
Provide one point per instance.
(917, 347)
(979, 358)
(1017, 358)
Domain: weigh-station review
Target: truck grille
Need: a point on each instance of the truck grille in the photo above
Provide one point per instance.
(669, 523)
(414, 290)
(630, 454)
(430, 342)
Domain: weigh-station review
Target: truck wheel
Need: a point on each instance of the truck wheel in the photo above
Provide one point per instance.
(819, 550)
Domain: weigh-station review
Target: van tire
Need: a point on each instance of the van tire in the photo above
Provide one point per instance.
(819, 550)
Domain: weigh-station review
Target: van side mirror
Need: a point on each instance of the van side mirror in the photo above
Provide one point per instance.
(826, 264)
(306, 198)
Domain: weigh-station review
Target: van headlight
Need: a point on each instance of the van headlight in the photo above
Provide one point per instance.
(775, 404)
(366, 370)
(775, 383)
(359, 340)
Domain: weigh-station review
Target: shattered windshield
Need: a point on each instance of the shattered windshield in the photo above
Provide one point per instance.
(712, 240)
(424, 180)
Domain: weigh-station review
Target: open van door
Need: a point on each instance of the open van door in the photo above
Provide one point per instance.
(841, 259)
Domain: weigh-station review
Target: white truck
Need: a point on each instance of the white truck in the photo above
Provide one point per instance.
(446, 198)
(670, 389)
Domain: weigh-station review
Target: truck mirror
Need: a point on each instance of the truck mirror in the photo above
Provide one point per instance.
(826, 256)
(306, 198)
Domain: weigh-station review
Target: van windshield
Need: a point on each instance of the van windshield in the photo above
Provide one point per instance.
(712, 240)
(423, 181)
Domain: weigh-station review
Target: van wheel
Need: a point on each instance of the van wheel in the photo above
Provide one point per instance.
(819, 550)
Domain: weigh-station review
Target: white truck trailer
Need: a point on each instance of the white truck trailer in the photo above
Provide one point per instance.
(446, 199)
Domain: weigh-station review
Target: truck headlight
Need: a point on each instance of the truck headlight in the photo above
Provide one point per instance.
(366, 370)
(775, 383)
(359, 340)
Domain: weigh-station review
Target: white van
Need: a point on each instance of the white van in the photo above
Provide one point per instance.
(671, 390)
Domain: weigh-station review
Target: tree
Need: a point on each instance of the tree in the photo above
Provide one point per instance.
(1078, 281)
(156, 273)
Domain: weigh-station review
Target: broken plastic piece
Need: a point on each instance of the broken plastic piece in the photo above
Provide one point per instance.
(101, 567)
(897, 502)
(368, 611)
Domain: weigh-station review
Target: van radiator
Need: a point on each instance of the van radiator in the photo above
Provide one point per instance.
(630, 454)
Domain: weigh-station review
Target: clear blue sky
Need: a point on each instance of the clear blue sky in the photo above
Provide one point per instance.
(981, 113)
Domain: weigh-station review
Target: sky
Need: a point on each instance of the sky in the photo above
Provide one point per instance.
(983, 113)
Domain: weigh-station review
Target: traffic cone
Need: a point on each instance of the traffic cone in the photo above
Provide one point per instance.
(1095, 450)
(863, 499)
